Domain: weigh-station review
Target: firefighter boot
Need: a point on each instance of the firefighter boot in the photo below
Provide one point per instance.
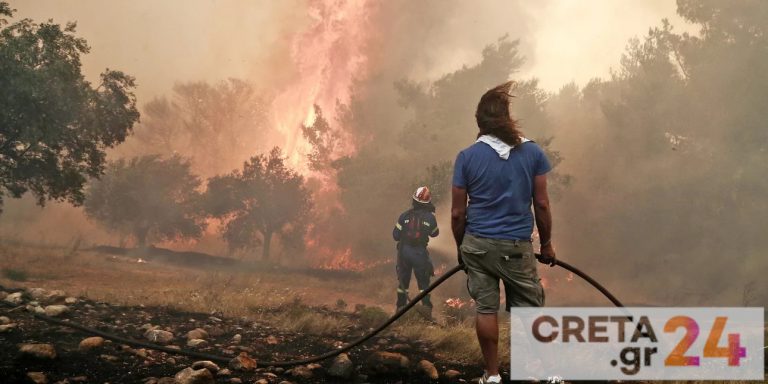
(402, 298)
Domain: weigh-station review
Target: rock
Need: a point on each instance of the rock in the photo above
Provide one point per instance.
(109, 358)
(242, 362)
(37, 377)
(7, 327)
(5, 320)
(37, 293)
(341, 367)
(388, 363)
(399, 347)
(302, 372)
(14, 298)
(91, 343)
(237, 338)
(270, 375)
(271, 340)
(197, 333)
(79, 379)
(452, 375)
(207, 364)
(56, 295)
(70, 300)
(224, 372)
(158, 336)
(170, 361)
(285, 382)
(56, 310)
(197, 343)
(167, 380)
(39, 351)
(192, 376)
(216, 331)
(236, 380)
(215, 319)
(261, 381)
(3, 294)
(427, 369)
(141, 352)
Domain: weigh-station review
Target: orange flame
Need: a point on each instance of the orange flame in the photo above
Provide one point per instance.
(328, 57)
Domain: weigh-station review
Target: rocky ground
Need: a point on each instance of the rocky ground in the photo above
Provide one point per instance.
(34, 351)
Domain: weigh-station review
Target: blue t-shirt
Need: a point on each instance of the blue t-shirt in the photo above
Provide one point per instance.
(500, 191)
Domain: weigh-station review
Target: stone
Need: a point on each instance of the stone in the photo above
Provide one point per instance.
(79, 379)
(302, 372)
(341, 367)
(224, 372)
(56, 310)
(452, 375)
(7, 327)
(261, 381)
(91, 343)
(197, 343)
(216, 331)
(141, 352)
(388, 363)
(194, 376)
(37, 377)
(5, 320)
(3, 294)
(399, 347)
(39, 351)
(158, 336)
(167, 380)
(236, 380)
(37, 293)
(237, 338)
(271, 340)
(242, 362)
(197, 333)
(170, 361)
(14, 298)
(56, 294)
(109, 358)
(425, 368)
(207, 364)
(70, 300)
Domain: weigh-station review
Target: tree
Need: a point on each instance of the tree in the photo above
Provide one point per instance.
(263, 199)
(214, 125)
(148, 197)
(54, 125)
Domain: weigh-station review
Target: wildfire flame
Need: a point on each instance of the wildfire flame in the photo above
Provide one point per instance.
(328, 56)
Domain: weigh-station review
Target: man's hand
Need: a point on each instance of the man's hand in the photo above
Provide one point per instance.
(547, 255)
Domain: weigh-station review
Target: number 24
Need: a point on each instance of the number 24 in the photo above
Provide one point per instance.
(733, 352)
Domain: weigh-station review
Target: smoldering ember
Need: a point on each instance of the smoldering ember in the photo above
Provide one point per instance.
(329, 191)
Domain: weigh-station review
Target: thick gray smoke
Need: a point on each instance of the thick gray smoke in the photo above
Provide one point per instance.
(659, 184)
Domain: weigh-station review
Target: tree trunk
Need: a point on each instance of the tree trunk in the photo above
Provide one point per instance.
(141, 237)
(267, 242)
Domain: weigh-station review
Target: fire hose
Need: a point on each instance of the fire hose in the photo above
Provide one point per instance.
(313, 359)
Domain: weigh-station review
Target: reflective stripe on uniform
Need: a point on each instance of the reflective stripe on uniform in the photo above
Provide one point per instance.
(400, 290)
(434, 230)
(398, 226)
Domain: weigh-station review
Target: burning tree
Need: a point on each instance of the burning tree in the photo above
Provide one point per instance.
(54, 125)
(263, 199)
(148, 197)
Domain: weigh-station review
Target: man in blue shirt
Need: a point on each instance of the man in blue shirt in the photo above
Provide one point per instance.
(500, 175)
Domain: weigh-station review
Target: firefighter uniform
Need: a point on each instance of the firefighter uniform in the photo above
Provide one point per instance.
(412, 232)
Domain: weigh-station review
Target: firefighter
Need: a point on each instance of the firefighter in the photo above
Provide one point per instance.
(412, 232)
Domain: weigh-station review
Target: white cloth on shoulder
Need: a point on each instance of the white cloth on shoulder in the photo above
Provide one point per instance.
(499, 146)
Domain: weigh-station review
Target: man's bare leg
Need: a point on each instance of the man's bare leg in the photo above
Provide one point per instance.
(487, 327)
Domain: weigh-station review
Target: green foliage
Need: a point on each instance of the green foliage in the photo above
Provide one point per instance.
(372, 316)
(264, 199)
(55, 125)
(15, 274)
(325, 143)
(148, 197)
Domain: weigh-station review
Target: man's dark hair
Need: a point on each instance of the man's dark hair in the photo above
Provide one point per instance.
(493, 116)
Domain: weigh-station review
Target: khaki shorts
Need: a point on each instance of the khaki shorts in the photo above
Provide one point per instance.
(511, 261)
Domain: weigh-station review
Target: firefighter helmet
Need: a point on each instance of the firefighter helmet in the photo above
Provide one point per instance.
(422, 195)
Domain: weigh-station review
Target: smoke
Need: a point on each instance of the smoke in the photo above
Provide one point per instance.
(399, 81)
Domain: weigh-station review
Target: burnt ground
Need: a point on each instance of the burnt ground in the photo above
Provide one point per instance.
(115, 363)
